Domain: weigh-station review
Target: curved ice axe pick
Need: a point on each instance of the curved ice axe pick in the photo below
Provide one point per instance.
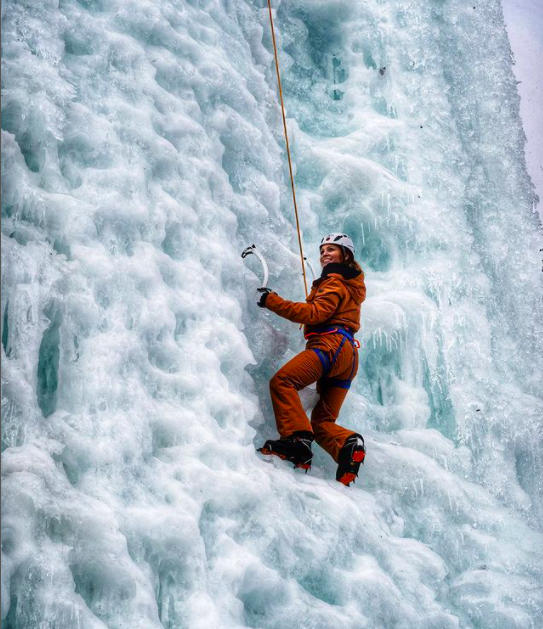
(311, 268)
(253, 249)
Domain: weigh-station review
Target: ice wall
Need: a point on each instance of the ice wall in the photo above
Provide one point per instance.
(141, 152)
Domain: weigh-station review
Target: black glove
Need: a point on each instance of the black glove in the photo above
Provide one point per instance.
(265, 292)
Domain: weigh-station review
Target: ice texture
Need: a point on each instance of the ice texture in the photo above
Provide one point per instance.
(142, 150)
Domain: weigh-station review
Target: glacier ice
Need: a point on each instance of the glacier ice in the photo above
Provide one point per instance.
(141, 152)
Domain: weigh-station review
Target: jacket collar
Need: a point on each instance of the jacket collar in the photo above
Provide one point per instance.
(344, 270)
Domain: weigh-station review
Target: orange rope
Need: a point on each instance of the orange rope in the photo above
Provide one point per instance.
(288, 148)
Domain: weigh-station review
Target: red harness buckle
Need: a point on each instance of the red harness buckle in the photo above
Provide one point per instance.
(320, 333)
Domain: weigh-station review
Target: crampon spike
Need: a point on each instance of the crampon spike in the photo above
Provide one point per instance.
(269, 452)
(347, 479)
(295, 449)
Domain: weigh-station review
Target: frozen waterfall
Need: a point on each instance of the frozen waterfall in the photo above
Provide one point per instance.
(142, 150)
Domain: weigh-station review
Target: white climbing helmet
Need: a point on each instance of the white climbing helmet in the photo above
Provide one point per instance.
(338, 239)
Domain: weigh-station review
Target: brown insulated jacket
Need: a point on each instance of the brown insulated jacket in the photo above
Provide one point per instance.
(335, 299)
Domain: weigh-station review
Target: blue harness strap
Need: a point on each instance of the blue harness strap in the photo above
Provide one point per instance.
(327, 364)
(325, 361)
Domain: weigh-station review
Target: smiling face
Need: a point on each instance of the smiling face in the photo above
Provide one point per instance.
(331, 253)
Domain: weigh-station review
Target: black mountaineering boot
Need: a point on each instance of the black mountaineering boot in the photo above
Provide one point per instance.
(351, 456)
(295, 448)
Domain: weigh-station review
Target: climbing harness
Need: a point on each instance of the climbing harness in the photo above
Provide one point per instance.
(288, 147)
(326, 363)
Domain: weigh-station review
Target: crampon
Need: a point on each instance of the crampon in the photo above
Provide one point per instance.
(351, 457)
(296, 449)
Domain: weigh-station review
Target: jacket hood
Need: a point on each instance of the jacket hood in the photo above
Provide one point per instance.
(352, 278)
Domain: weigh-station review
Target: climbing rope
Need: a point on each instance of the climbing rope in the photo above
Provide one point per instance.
(288, 148)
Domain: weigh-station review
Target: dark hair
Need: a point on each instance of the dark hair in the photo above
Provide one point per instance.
(348, 259)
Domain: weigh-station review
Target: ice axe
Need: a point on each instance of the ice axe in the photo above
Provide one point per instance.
(253, 249)
(311, 268)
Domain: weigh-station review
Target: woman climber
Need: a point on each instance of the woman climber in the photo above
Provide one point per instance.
(331, 316)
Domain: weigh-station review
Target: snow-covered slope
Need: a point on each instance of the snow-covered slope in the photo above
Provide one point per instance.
(142, 151)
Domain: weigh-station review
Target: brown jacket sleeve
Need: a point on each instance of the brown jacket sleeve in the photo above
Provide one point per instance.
(319, 310)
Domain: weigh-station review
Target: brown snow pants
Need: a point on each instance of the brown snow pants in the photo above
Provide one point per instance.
(298, 373)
